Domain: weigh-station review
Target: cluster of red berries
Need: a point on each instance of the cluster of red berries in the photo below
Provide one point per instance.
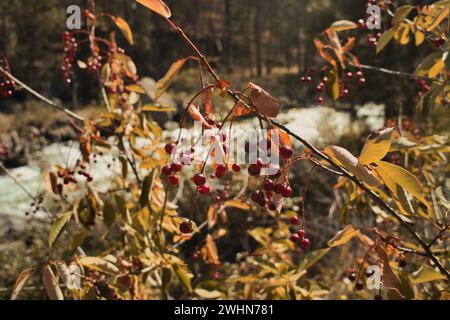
(300, 236)
(424, 87)
(94, 64)
(70, 51)
(358, 75)
(6, 84)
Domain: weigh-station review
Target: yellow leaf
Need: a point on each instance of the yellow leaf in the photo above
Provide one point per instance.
(51, 284)
(57, 228)
(21, 281)
(183, 276)
(333, 84)
(420, 37)
(150, 163)
(125, 28)
(149, 107)
(438, 66)
(376, 148)
(343, 25)
(400, 176)
(237, 204)
(135, 88)
(441, 16)
(343, 236)
(158, 6)
(163, 84)
(99, 264)
(344, 158)
(205, 294)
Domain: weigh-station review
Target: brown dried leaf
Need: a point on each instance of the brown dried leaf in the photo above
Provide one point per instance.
(264, 102)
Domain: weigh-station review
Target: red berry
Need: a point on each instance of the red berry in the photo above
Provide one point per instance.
(218, 199)
(216, 275)
(176, 166)
(294, 221)
(319, 100)
(199, 179)
(255, 196)
(305, 243)
(268, 185)
(221, 169)
(362, 81)
(167, 170)
(173, 180)
(236, 167)
(279, 188)
(359, 74)
(286, 192)
(272, 206)
(351, 276)
(301, 233)
(186, 227)
(254, 170)
(205, 189)
(286, 152)
(169, 148)
(359, 285)
(294, 238)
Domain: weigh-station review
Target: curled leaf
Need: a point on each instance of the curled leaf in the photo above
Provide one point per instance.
(264, 102)
(125, 28)
(157, 6)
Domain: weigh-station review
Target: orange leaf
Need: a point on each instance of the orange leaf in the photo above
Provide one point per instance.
(240, 109)
(207, 102)
(348, 46)
(125, 28)
(197, 116)
(264, 102)
(327, 57)
(158, 6)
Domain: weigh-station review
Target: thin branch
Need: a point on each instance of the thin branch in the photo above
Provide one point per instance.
(41, 97)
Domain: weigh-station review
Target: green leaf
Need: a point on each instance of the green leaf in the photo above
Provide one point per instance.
(109, 213)
(312, 258)
(385, 38)
(57, 228)
(427, 63)
(183, 276)
(78, 239)
(400, 14)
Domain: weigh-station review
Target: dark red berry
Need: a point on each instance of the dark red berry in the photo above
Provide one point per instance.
(167, 170)
(295, 238)
(221, 169)
(301, 233)
(286, 152)
(320, 100)
(359, 285)
(255, 196)
(205, 189)
(199, 179)
(294, 221)
(268, 185)
(254, 170)
(305, 243)
(271, 206)
(286, 192)
(177, 166)
(351, 276)
(173, 180)
(279, 188)
(186, 227)
(169, 148)
(236, 167)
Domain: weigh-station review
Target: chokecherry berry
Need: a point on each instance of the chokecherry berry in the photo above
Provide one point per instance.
(305, 243)
(294, 221)
(268, 185)
(176, 166)
(169, 148)
(286, 152)
(167, 170)
(199, 179)
(205, 189)
(186, 227)
(301, 233)
(221, 169)
(295, 238)
(286, 192)
(174, 180)
(236, 167)
(254, 170)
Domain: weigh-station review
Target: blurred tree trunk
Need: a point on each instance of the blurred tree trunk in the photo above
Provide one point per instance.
(229, 36)
(258, 41)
